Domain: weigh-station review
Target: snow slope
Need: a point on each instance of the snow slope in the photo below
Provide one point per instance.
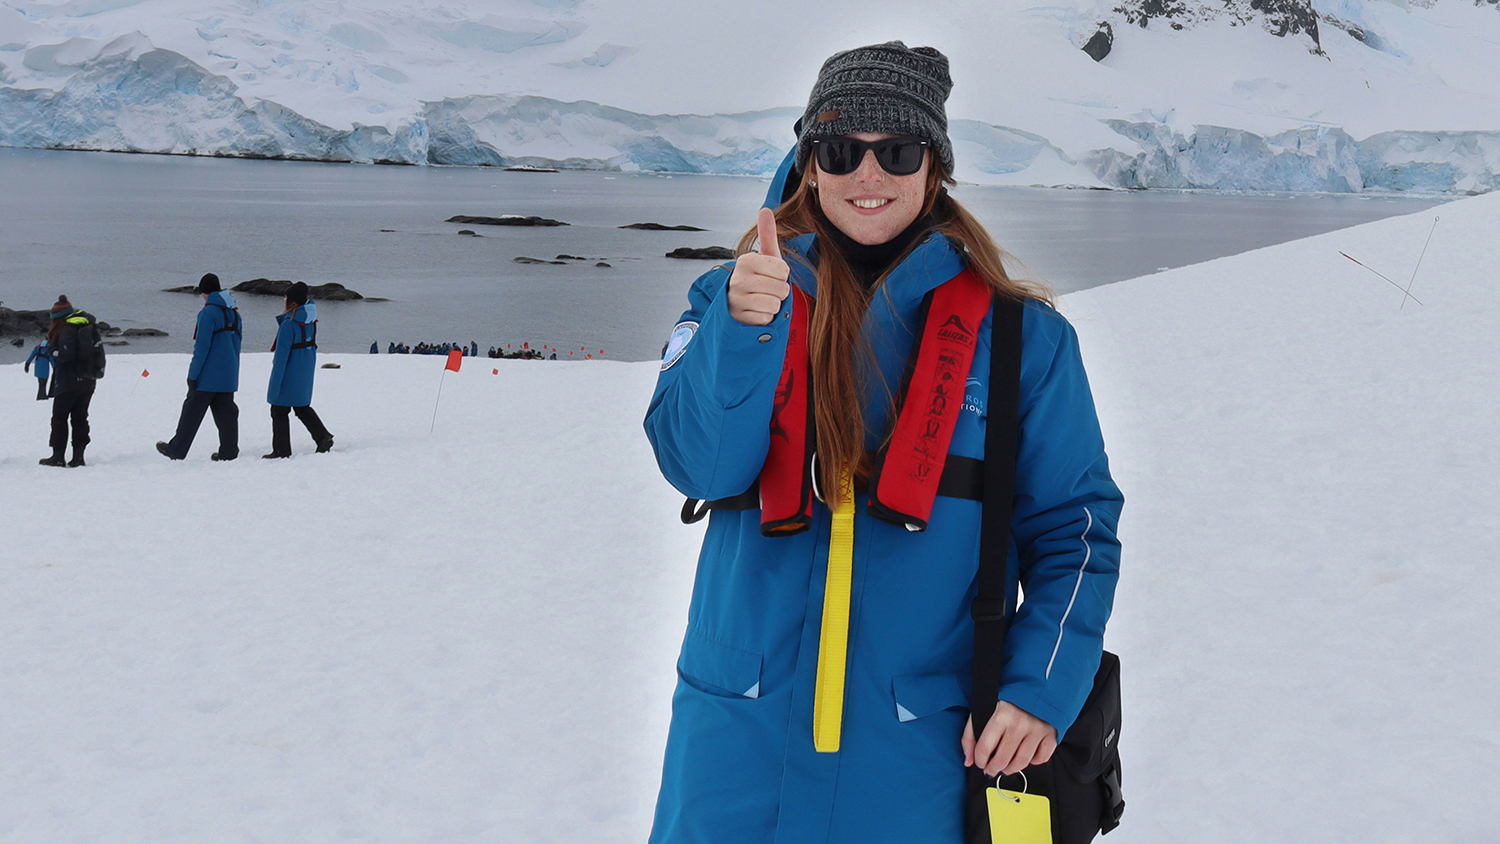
(1392, 95)
(470, 635)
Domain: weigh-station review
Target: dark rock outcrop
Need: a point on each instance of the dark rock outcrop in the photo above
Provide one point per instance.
(522, 259)
(144, 332)
(470, 233)
(1099, 46)
(602, 264)
(658, 227)
(707, 253)
(24, 323)
(571, 258)
(506, 220)
(1278, 17)
(330, 292)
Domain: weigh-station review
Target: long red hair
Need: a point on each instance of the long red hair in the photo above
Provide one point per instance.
(836, 336)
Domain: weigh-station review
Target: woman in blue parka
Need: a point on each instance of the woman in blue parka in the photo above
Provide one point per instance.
(860, 222)
(294, 359)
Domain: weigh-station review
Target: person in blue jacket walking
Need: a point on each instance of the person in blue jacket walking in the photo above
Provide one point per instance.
(860, 223)
(294, 361)
(213, 376)
(43, 367)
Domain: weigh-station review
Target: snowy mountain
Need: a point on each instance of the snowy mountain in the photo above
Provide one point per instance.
(1306, 95)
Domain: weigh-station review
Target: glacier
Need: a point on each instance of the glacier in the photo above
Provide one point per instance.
(1295, 95)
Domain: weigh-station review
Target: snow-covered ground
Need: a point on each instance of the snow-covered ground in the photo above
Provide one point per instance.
(470, 635)
(1393, 95)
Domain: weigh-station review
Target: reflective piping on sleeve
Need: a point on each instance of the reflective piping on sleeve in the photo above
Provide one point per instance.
(1087, 552)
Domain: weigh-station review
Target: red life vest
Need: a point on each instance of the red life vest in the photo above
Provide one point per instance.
(909, 466)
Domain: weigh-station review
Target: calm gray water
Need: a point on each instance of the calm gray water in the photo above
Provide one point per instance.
(111, 230)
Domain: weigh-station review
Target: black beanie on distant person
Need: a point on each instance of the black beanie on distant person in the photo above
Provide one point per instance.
(209, 283)
(297, 293)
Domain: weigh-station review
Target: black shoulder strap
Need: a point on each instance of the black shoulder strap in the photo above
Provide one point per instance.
(307, 343)
(988, 610)
(231, 319)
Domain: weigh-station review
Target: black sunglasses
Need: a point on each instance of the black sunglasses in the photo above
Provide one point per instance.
(841, 156)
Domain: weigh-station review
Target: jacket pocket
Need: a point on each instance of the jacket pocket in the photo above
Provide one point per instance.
(718, 669)
(920, 695)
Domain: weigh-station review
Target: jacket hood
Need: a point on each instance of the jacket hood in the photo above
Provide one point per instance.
(784, 182)
(221, 297)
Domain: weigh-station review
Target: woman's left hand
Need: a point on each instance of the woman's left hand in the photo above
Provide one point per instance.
(1012, 740)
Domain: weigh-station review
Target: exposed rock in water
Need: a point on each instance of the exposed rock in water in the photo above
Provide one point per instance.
(522, 259)
(504, 220)
(389, 230)
(24, 322)
(18, 342)
(571, 258)
(527, 168)
(601, 264)
(470, 233)
(330, 292)
(1099, 46)
(658, 227)
(117, 342)
(331, 366)
(707, 253)
(144, 332)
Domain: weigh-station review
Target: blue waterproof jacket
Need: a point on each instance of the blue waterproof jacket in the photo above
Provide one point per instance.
(292, 368)
(216, 345)
(39, 355)
(740, 765)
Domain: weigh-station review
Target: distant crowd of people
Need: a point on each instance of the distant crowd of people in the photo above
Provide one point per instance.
(469, 351)
(71, 359)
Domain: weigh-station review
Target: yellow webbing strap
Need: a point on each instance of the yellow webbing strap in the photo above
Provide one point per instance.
(833, 644)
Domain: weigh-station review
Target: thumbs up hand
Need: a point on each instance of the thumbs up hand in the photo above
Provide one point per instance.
(759, 281)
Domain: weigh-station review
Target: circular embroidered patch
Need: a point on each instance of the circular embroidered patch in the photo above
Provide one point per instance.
(682, 334)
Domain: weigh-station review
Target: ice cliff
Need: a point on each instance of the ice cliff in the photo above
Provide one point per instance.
(1279, 95)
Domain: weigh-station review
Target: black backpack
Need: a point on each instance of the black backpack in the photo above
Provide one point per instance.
(83, 348)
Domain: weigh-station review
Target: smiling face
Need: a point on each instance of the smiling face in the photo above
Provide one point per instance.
(870, 205)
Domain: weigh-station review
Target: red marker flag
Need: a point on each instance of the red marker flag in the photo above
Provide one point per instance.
(455, 360)
(494, 372)
(145, 373)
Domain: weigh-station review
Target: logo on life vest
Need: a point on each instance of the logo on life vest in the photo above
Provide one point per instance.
(955, 330)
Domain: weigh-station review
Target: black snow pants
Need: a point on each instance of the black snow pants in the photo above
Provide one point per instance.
(73, 406)
(281, 427)
(226, 419)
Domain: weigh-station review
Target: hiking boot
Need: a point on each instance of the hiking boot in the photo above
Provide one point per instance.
(77, 458)
(325, 445)
(54, 460)
(273, 456)
(166, 451)
(217, 459)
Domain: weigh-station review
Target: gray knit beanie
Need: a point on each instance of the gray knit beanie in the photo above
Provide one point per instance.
(886, 87)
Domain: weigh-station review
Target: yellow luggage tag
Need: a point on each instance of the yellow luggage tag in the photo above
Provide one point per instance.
(1017, 817)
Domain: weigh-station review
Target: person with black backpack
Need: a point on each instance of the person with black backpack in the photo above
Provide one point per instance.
(899, 450)
(77, 356)
(214, 375)
(294, 361)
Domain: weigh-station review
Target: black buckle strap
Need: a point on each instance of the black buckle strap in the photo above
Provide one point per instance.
(963, 477)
